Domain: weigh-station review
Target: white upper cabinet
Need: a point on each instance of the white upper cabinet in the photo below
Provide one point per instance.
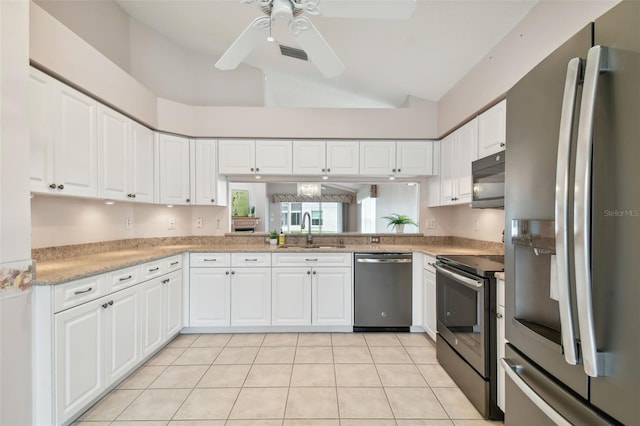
(64, 138)
(492, 130)
(249, 157)
(390, 158)
(113, 144)
(173, 178)
(457, 151)
(140, 167)
(338, 158)
(208, 188)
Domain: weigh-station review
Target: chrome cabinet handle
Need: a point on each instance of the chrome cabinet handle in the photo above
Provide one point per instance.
(314, 272)
(311, 260)
(154, 269)
(597, 62)
(52, 186)
(82, 291)
(166, 281)
(308, 272)
(125, 278)
(209, 260)
(499, 315)
(502, 144)
(110, 302)
(250, 260)
(105, 305)
(226, 273)
(61, 187)
(174, 263)
(561, 213)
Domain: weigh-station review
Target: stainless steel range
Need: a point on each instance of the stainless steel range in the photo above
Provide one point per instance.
(466, 313)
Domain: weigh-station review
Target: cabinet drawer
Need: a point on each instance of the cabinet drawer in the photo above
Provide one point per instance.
(311, 259)
(250, 259)
(429, 261)
(173, 263)
(153, 269)
(78, 292)
(501, 289)
(209, 260)
(123, 278)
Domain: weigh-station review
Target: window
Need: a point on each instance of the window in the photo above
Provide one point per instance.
(326, 217)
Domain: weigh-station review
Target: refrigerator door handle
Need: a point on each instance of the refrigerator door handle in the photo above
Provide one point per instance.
(597, 62)
(562, 213)
(512, 370)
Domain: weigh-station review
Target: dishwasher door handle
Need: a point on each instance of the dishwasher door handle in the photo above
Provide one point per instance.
(384, 260)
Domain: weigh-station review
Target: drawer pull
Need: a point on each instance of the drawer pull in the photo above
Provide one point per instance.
(175, 263)
(126, 278)
(209, 260)
(250, 260)
(165, 281)
(82, 291)
(156, 269)
(311, 260)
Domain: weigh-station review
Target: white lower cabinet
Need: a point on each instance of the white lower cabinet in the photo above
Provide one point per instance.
(331, 296)
(250, 296)
(291, 296)
(429, 294)
(209, 297)
(79, 358)
(85, 346)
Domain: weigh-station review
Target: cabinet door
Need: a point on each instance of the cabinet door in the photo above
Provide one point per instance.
(123, 333)
(414, 158)
(140, 167)
(174, 185)
(378, 158)
(430, 325)
(206, 183)
(209, 297)
(79, 363)
(343, 158)
(492, 130)
(236, 157)
(309, 158)
(172, 301)
(152, 311)
(113, 155)
(251, 296)
(331, 296)
(447, 171)
(274, 157)
(291, 296)
(465, 153)
(75, 153)
(41, 107)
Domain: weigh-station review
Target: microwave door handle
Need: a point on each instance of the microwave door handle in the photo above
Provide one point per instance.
(597, 62)
(562, 213)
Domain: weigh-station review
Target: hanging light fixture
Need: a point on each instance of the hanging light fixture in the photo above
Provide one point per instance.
(308, 189)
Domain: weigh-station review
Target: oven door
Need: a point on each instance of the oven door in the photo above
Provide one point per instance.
(462, 316)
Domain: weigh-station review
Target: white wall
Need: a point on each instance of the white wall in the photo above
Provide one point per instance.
(524, 47)
(66, 220)
(15, 303)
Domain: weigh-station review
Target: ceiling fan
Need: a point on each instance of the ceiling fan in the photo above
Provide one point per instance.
(304, 32)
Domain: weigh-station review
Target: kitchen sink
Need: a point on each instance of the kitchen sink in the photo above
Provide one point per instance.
(311, 246)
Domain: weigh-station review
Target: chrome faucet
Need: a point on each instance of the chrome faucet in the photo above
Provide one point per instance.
(309, 236)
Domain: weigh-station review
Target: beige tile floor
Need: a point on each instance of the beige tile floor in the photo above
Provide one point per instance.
(289, 379)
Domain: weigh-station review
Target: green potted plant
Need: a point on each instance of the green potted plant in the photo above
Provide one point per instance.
(273, 237)
(398, 221)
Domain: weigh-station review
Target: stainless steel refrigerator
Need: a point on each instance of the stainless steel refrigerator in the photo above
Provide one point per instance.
(572, 231)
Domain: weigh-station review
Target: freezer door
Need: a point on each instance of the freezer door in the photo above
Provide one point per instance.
(615, 228)
(533, 126)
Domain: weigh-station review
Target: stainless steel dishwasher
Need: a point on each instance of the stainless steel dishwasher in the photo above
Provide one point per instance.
(382, 296)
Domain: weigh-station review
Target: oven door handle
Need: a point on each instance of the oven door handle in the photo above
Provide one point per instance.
(469, 282)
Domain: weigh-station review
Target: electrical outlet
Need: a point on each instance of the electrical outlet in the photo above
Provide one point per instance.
(476, 225)
(218, 223)
(374, 240)
(128, 224)
(431, 224)
(198, 222)
(172, 223)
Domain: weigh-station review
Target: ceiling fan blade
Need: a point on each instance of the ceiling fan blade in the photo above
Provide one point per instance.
(367, 9)
(316, 47)
(244, 44)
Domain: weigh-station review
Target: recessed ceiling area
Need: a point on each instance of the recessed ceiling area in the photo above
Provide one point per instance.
(386, 61)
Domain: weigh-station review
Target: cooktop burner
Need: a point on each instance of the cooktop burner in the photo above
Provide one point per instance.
(483, 265)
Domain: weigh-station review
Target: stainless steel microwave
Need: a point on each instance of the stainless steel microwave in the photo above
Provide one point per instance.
(488, 182)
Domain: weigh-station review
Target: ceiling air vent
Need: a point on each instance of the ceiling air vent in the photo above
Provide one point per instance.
(293, 52)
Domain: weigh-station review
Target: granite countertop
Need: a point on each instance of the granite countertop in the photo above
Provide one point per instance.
(58, 271)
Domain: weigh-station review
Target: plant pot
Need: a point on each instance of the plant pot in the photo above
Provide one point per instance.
(399, 228)
(273, 241)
